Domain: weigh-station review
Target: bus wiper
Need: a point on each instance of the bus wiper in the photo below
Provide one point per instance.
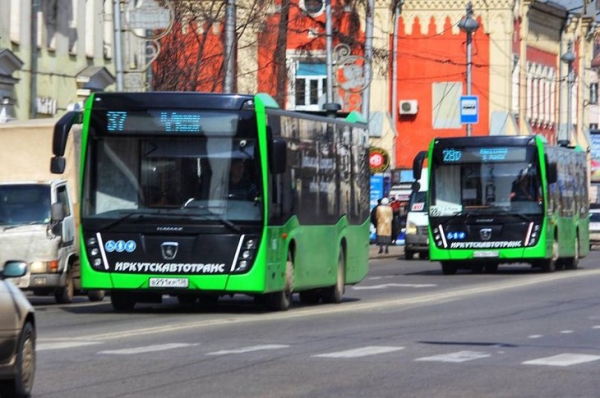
(229, 224)
(503, 210)
(119, 220)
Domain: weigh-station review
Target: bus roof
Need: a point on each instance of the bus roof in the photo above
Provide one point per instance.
(158, 99)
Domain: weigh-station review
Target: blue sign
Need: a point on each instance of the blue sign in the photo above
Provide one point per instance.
(376, 189)
(469, 109)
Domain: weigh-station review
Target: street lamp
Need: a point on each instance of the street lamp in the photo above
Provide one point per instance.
(568, 58)
(469, 25)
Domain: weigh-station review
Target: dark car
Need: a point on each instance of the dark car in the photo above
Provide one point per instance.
(17, 336)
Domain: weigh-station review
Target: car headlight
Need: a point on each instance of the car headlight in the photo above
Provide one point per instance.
(41, 267)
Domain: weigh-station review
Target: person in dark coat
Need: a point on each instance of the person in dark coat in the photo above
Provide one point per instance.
(374, 213)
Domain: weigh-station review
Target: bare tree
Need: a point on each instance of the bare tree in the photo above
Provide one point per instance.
(191, 57)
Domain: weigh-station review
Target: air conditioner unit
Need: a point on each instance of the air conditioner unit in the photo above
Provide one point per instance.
(408, 107)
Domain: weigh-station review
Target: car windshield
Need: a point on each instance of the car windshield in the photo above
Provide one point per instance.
(24, 204)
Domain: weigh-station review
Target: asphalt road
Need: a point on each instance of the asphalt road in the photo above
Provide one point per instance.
(405, 331)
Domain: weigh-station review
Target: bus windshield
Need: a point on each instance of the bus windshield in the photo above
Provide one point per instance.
(199, 176)
(508, 182)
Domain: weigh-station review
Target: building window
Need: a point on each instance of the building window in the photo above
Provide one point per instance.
(311, 83)
(593, 93)
(446, 97)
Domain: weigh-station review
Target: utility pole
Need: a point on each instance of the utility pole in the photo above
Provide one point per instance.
(329, 51)
(469, 25)
(118, 37)
(229, 46)
(568, 58)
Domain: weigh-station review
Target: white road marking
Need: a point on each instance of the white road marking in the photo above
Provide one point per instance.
(596, 327)
(563, 360)
(249, 349)
(149, 348)
(566, 331)
(535, 336)
(360, 352)
(60, 345)
(386, 285)
(456, 357)
(325, 310)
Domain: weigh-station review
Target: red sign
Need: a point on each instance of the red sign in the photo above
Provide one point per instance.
(379, 161)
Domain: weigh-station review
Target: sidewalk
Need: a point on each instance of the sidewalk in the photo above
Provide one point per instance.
(395, 251)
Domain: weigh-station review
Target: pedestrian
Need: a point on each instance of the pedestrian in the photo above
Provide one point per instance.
(374, 213)
(384, 216)
(395, 205)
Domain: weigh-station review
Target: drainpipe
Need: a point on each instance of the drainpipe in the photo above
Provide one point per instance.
(366, 105)
(397, 13)
(35, 4)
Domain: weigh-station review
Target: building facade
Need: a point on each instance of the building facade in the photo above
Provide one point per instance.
(53, 53)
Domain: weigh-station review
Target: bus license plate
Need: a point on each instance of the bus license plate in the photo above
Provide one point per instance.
(169, 282)
(486, 254)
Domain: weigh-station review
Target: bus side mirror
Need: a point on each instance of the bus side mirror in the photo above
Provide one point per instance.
(59, 140)
(551, 172)
(278, 156)
(416, 186)
(418, 164)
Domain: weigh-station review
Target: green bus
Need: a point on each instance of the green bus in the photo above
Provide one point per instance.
(205, 195)
(505, 199)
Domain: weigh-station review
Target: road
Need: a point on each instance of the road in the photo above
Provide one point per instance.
(405, 331)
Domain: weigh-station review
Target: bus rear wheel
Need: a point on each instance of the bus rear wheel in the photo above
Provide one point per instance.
(334, 294)
(282, 300)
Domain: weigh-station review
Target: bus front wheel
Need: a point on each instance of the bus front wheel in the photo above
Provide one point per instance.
(282, 300)
(573, 262)
(333, 294)
(122, 301)
(549, 265)
(449, 268)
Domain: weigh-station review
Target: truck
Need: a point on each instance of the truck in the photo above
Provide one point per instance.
(28, 191)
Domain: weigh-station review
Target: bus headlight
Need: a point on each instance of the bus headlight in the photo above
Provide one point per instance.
(94, 253)
(246, 255)
(411, 229)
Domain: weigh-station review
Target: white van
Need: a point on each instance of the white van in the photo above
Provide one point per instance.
(417, 221)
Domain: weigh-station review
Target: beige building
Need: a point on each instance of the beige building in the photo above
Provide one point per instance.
(52, 54)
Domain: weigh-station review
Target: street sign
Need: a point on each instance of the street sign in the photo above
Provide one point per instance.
(469, 109)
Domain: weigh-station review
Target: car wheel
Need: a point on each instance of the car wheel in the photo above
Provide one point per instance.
(22, 384)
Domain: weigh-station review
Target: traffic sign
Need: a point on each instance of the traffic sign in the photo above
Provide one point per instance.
(469, 109)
